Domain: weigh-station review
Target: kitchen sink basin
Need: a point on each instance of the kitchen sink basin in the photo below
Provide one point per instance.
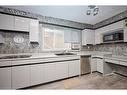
(15, 56)
(68, 53)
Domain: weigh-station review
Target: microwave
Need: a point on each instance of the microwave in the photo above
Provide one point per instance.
(115, 36)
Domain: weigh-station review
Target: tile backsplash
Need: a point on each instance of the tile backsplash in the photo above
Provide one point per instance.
(115, 48)
(10, 46)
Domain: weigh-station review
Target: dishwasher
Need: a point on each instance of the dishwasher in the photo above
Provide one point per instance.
(85, 64)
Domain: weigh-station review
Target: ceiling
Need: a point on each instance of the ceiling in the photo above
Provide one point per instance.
(74, 13)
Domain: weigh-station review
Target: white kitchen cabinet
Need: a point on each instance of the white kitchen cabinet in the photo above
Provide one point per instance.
(50, 72)
(22, 24)
(20, 77)
(93, 64)
(34, 30)
(6, 22)
(107, 29)
(125, 29)
(74, 68)
(62, 70)
(36, 74)
(5, 78)
(88, 37)
(100, 65)
(98, 36)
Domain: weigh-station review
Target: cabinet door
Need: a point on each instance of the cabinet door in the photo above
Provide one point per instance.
(5, 78)
(125, 29)
(36, 74)
(97, 37)
(84, 38)
(6, 22)
(67, 36)
(50, 72)
(75, 36)
(88, 37)
(93, 64)
(34, 30)
(74, 68)
(62, 70)
(20, 77)
(91, 37)
(100, 65)
(22, 24)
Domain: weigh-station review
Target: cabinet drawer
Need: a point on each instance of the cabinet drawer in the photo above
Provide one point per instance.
(112, 61)
(123, 63)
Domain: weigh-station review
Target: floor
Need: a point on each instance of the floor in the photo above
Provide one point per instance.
(89, 81)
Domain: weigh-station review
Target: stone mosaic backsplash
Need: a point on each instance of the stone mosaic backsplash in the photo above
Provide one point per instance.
(10, 46)
(115, 48)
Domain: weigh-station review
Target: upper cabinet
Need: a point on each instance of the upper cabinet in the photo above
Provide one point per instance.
(21, 23)
(88, 37)
(107, 29)
(72, 36)
(6, 22)
(16, 23)
(125, 29)
(34, 30)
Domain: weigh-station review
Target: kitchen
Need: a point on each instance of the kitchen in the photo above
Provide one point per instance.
(49, 50)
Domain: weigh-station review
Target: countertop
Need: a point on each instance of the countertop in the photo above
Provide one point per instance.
(93, 53)
(34, 56)
(116, 57)
(52, 55)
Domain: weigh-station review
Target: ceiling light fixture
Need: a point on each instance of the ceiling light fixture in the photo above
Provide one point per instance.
(92, 10)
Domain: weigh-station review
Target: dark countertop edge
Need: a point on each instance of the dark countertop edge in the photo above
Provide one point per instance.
(39, 63)
(18, 59)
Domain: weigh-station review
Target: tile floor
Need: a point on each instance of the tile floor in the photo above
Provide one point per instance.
(89, 81)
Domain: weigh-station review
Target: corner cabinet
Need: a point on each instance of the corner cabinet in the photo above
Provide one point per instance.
(34, 30)
(88, 37)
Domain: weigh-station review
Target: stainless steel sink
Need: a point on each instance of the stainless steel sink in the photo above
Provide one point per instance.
(15, 56)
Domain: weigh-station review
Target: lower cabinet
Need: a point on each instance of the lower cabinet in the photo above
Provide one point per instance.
(62, 70)
(93, 64)
(5, 78)
(100, 65)
(50, 72)
(20, 76)
(74, 68)
(17, 77)
(36, 74)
